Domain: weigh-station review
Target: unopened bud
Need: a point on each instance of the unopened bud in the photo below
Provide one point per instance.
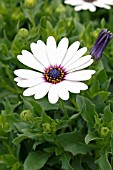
(101, 42)
(53, 126)
(104, 131)
(46, 127)
(26, 115)
(23, 33)
(30, 3)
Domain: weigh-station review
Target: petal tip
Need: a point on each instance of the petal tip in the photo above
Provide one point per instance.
(51, 38)
(25, 93)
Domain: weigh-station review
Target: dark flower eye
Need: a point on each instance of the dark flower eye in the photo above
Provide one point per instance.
(101, 42)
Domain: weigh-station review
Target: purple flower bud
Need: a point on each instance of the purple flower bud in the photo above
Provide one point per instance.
(101, 42)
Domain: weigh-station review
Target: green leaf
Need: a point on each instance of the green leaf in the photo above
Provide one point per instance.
(8, 159)
(99, 103)
(72, 142)
(87, 110)
(91, 136)
(32, 133)
(36, 160)
(20, 138)
(46, 105)
(103, 162)
(107, 116)
(21, 125)
(105, 85)
(103, 22)
(49, 28)
(36, 107)
(46, 118)
(27, 105)
(101, 76)
(104, 95)
(95, 87)
(111, 144)
(8, 107)
(65, 159)
(80, 28)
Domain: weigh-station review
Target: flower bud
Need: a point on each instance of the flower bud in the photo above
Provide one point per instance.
(30, 3)
(16, 14)
(104, 131)
(101, 42)
(46, 127)
(26, 115)
(111, 125)
(23, 33)
(53, 126)
(60, 9)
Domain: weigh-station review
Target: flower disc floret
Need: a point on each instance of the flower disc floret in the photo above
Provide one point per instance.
(54, 74)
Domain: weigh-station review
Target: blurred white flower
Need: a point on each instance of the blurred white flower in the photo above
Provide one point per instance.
(58, 69)
(89, 4)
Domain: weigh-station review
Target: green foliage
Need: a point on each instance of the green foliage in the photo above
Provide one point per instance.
(35, 134)
(36, 159)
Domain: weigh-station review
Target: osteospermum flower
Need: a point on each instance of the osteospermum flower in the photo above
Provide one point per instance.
(101, 42)
(89, 4)
(58, 69)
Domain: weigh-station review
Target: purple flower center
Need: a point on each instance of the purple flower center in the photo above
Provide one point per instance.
(54, 74)
(89, 0)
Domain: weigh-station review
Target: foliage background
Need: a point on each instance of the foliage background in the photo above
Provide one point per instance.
(34, 134)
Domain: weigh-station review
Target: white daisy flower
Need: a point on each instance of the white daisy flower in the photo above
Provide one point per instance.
(89, 4)
(58, 69)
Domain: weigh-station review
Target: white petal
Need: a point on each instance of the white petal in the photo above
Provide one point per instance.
(42, 90)
(86, 6)
(52, 95)
(29, 60)
(71, 52)
(78, 8)
(92, 8)
(51, 50)
(71, 86)
(17, 79)
(32, 90)
(80, 75)
(82, 66)
(105, 6)
(61, 50)
(110, 2)
(98, 3)
(101, 4)
(40, 52)
(30, 83)
(73, 2)
(74, 87)
(28, 74)
(78, 63)
(78, 54)
(62, 91)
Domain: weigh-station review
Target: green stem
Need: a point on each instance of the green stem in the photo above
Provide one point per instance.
(32, 19)
(74, 116)
(63, 109)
